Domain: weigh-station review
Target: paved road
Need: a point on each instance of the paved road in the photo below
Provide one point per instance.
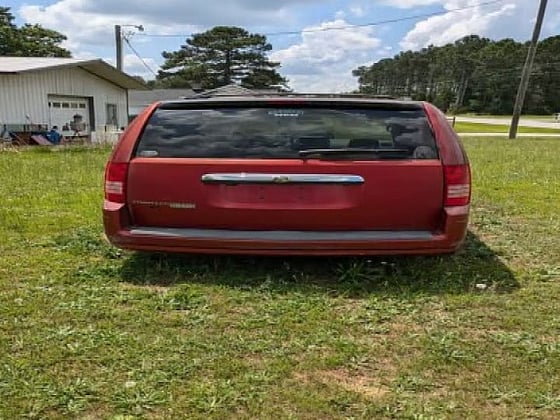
(506, 135)
(499, 121)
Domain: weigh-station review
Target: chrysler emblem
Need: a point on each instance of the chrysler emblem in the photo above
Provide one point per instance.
(281, 180)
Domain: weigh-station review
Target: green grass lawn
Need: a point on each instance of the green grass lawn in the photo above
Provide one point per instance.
(468, 127)
(546, 118)
(87, 331)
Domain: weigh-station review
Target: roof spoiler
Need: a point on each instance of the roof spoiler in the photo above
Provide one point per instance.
(297, 95)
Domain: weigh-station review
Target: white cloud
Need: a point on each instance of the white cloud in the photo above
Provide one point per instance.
(385, 51)
(86, 55)
(357, 11)
(323, 61)
(410, 4)
(134, 66)
(89, 28)
(510, 18)
(90, 23)
(442, 29)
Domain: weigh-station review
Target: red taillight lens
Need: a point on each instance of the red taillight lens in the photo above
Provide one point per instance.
(457, 185)
(115, 182)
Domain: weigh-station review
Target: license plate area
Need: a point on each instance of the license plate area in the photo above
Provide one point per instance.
(302, 196)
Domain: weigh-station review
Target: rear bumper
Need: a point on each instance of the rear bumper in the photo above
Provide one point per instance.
(121, 234)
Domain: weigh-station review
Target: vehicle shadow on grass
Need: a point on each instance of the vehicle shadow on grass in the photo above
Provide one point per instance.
(473, 268)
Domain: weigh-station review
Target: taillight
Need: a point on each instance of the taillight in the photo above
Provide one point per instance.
(457, 185)
(115, 182)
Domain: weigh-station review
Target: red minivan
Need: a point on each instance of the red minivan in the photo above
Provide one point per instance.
(288, 175)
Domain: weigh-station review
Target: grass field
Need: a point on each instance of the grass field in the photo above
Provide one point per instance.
(545, 118)
(87, 331)
(468, 127)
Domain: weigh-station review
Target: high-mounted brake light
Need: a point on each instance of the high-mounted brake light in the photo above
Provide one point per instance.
(457, 185)
(115, 182)
(282, 102)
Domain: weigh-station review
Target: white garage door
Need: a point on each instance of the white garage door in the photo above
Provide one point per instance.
(70, 114)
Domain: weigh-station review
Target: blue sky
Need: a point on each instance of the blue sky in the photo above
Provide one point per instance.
(312, 61)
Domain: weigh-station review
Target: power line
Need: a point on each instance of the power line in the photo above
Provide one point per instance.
(139, 56)
(345, 27)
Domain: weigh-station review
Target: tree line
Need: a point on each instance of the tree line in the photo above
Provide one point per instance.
(473, 74)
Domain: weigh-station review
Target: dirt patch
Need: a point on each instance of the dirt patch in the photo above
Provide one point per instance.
(400, 328)
(371, 387)
(368, 386)
(255, 361)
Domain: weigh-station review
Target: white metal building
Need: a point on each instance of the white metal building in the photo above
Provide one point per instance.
(79, 96)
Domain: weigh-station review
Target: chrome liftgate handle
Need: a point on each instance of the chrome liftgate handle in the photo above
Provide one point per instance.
(287, 178)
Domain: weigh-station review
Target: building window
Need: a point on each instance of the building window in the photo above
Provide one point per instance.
(65, 105)
(82, 106)
(112, 115)
(56, 104)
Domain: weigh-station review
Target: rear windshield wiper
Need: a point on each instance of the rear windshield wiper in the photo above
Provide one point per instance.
(353, 151)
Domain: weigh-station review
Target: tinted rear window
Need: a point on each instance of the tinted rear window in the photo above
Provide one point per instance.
(281, 133)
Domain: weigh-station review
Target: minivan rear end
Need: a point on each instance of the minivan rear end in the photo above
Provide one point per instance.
(288, 175)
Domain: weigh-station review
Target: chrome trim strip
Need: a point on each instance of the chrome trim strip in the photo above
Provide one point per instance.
(282, 235)
(261, 178)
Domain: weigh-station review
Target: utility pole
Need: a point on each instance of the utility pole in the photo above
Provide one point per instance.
(523, 85)
(118, 40)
